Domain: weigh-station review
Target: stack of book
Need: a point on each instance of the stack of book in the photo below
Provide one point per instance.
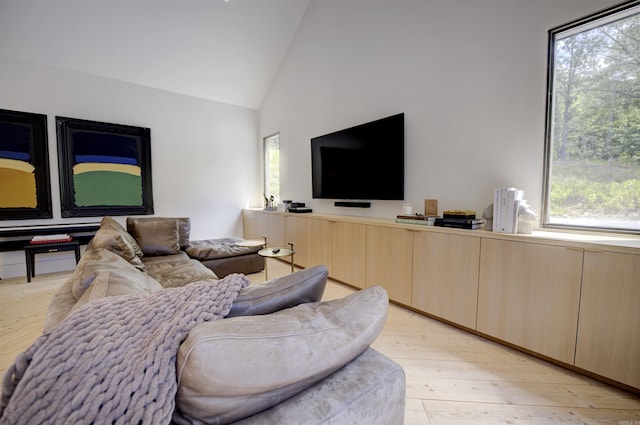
(415, 219)
(36, 240)
(506, 202)
(460, 219)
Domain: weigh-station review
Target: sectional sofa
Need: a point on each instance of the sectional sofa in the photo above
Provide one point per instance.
(279, 355)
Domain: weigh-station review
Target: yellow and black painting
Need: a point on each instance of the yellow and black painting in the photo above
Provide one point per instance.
(24, 168)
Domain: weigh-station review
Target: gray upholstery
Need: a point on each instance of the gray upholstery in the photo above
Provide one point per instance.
(183, 223)
(371, 390)
(224, 256)
(277, 294)
(233, 368)
(157, 237)
(211, 249)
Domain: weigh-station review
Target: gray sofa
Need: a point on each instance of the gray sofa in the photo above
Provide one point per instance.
(281, 356)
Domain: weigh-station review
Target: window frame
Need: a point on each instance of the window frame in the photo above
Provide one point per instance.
(585, 23)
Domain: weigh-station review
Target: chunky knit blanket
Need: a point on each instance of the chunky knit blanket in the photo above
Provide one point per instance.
(113, 361)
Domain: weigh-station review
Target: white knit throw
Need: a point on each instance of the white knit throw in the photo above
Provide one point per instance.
(113, 360)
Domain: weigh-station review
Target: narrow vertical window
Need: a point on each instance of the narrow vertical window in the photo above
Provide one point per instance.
(272, 168)
(592, 153)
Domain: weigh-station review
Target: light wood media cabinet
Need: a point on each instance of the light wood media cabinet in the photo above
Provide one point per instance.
(572, 299)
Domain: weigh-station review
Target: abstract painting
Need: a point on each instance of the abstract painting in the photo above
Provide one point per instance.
(105, 169)
(25, 191)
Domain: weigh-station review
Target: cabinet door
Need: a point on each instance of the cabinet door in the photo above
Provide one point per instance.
(275, 230)
(318, 243)
(349, 253)
(529, 295)
(389, 257)
(257, 224)
(295, 231)
(261, 224)
(445, 276)
(609, 327)
(249, 224)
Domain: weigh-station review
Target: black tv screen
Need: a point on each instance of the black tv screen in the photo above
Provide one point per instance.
(365, 162)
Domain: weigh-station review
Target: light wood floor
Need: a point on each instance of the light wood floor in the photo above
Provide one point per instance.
(453, 377)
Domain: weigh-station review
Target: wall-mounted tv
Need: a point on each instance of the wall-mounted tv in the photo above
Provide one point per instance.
(365, 162)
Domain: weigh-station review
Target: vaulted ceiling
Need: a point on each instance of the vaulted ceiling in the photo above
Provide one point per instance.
(226, 51)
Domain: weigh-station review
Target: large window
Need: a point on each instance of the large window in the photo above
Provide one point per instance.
(592, 154)
(272, 168)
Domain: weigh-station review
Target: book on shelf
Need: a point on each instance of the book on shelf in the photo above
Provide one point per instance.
(415, 219)
(460, 223)
(44, 239)
(463, 214)
(506, 201)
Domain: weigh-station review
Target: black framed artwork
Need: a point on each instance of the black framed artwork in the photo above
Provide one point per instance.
(105, 169)
(25, 191)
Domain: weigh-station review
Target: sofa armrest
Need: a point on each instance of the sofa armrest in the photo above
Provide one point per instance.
(371, 389)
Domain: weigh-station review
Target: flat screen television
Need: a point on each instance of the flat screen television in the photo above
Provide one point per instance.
(365, 162)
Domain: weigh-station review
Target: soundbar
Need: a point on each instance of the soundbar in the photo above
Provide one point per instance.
(352, 204)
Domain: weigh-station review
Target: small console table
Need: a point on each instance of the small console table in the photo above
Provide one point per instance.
(30, 252)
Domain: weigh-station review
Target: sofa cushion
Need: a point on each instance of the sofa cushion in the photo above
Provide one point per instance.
(234, 368)
(173, 274)
(211, 249)
(183, 223)
(157, 237)
(102, 260)
(112, 283)
(110, 223)
(303, 286)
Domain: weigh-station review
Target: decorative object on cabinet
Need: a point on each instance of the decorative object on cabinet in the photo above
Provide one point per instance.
(431, 207)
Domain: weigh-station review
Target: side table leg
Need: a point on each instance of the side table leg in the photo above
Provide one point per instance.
(76, 250)
(28, 259)
(292, 254)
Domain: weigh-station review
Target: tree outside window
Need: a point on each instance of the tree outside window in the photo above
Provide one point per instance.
(592, 173)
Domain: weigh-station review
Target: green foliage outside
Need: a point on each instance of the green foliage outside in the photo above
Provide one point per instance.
(595, 170)
(595, 189)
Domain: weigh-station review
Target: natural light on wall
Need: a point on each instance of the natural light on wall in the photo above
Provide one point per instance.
(592, 154)
(272, 168)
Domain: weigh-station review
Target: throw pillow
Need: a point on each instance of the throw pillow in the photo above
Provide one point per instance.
(116, 242)
(157, 237)
(110, 223)
(233, 368)
(184, 226)
(301, 287)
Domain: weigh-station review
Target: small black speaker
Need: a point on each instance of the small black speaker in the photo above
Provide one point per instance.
(352, 204)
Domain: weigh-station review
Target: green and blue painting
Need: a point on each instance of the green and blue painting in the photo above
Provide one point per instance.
(106, 170)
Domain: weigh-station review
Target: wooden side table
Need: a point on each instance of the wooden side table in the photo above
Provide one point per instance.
(30, 252)
(275, 253)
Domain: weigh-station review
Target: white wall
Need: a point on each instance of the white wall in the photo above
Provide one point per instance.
(204, 154)
(469, 75)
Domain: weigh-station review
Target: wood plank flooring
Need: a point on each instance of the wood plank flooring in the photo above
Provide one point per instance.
(453, 377)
